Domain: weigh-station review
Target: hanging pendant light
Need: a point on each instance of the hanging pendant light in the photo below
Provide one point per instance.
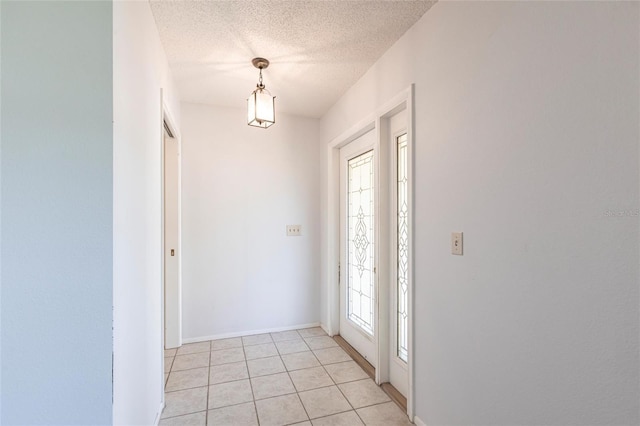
(261, 106)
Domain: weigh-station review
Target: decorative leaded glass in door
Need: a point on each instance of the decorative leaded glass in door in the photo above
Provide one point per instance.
(360, 212)
(403, 248)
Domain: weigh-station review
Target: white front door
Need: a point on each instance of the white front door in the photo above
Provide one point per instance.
(358, 283)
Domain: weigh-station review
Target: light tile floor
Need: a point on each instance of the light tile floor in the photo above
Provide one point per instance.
(298, 377)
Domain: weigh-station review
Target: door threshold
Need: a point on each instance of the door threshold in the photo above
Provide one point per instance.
(388, 388)
(359, 359)
(395, 395)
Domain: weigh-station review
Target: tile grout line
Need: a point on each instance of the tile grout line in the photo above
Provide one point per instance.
(337, 387)
(275, 374)
(206, 414)
(188, 369)
(253, 396)
(293, 384)
(184, 389)
(340, 390)
(185, 369)
(166, 380)
(299, 399)
(182, 415)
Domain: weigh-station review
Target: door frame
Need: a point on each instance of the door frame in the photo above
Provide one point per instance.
(377, 120)
(167, 117)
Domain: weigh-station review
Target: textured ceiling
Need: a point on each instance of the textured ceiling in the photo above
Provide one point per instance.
(317, 49)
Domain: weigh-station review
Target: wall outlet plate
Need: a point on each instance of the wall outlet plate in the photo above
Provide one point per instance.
(456, 243)
(294, 230)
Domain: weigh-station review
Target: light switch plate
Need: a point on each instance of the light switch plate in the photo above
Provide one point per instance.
(294, 230)
(456, 243)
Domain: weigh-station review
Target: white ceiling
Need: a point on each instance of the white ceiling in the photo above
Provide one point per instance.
(317, 48)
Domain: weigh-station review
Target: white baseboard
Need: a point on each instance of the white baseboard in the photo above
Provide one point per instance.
(418, 421)
(249, 333)
(156, 422)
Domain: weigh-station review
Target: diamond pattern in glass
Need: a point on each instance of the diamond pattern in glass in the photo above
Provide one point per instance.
(403, 248)
(360, 284)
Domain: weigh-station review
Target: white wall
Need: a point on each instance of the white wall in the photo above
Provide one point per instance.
(240, 187)
(56, 174)
(140, 70)
(526, 139)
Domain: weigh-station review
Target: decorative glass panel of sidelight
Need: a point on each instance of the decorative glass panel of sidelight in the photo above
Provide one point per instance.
(360, 288)
(403, 248)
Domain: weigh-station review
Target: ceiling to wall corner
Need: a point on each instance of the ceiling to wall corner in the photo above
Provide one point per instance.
(318, 49)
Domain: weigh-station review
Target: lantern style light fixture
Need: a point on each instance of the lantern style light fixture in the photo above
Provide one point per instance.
(261, 106)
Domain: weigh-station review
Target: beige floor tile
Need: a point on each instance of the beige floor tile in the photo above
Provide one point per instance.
(226, 356)
(270, 386)
(291, 346)
(281, 410)
(228, 372)
(186, 379)
(346, 372)
(193, 348)
(231, 393)
(195, 419)
(185, 402)
(234, 342)
(324, 402)
(311, 332)
(300, 360)
(260, 351)
(185, 362)
(384, 415)
(331, 355)
(167, 364)
(265, 366)
(350, 418)
(170, 352)
(307, 423)
(257, 339)
(310, 378)
(237, 415)
(363, 393)
(281, 336)
(320, 342)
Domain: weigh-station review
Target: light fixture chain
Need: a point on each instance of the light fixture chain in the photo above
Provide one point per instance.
(260, 80)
